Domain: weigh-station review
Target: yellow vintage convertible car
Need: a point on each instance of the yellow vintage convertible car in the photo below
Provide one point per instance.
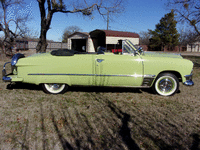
(132, 67)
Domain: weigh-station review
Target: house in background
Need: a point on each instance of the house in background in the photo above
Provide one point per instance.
(110, 39)
(80, 41)
(89, 42)
(193, 47)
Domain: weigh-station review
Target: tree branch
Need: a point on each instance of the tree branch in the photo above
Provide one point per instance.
(190, 21)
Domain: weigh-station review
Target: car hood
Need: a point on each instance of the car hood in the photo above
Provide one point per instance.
(162, 54)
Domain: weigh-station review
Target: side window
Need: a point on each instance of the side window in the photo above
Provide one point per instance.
(126, 48)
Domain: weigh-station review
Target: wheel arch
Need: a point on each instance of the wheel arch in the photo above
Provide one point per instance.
(166, 83)
(176, 73)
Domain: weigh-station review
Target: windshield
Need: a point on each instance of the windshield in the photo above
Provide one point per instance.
(128, 47)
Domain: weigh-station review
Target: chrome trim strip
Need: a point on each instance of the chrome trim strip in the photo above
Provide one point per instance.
(149, 76)
(87, 75)
(145, 76)
(112, 86)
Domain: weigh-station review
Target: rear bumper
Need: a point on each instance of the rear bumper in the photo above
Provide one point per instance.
(4, 74)
(188, 81)
(10, 77)
(6, 79)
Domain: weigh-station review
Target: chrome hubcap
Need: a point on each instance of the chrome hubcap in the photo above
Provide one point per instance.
(165, 85)
(54, 87)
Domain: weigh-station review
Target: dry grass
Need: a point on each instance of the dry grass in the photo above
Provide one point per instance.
(99, 118)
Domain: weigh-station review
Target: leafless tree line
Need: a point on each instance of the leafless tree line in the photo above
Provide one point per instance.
(187, 11)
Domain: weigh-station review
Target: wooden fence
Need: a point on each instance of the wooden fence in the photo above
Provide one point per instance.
(26, 45)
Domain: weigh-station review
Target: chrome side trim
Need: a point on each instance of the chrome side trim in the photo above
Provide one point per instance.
(149, 76)
(86, 75)
(112, 86)
(71, 74)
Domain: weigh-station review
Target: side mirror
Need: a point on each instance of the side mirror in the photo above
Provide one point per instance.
(140, 49)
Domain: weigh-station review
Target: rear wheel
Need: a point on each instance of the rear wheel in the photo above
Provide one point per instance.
(54, 88)
(166, 84)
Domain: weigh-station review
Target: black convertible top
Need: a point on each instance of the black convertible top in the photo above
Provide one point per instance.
(67, 52)
(63, 52)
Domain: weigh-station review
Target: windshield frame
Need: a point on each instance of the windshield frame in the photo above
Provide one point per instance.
(128, 47)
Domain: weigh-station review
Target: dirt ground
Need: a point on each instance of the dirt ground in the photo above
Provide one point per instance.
(89, 118)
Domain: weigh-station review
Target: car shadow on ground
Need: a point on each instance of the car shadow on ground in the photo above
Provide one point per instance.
(24, 86)
(90, 89)
(103, 89)
(76, 88)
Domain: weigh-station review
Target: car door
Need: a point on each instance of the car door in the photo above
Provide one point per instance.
(79, 68)
(118, 70)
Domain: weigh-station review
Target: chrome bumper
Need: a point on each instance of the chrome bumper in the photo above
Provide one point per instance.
(188, 81)
(4, 74)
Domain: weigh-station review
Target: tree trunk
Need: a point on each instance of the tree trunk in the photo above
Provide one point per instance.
(7, 43)
(45, 23)
(42, 44)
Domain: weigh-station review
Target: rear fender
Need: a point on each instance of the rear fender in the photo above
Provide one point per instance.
(39, 79)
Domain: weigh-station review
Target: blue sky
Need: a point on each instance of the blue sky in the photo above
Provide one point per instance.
(139, 15)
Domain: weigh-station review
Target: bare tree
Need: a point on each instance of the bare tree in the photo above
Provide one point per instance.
(187, 10)
(17, 19)
(78, 6)
(187, 37)
(144, 37)
(68, 31)
(1, 43)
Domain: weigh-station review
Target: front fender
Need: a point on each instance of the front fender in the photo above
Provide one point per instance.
(156, 66)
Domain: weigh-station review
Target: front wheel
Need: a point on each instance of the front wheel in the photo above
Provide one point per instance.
(54, 88)
(166, 84)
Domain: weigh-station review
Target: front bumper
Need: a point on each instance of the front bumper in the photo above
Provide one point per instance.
(188, 81)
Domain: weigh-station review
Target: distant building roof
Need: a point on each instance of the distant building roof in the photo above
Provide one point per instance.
(118, 33)
(84, 33)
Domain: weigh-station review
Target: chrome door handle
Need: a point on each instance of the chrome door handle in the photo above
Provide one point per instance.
(99, 60)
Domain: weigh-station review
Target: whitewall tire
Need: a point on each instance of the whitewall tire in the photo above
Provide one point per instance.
(166, 84)
(54, 88)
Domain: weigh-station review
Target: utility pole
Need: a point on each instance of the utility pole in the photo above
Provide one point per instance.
(108, 18)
